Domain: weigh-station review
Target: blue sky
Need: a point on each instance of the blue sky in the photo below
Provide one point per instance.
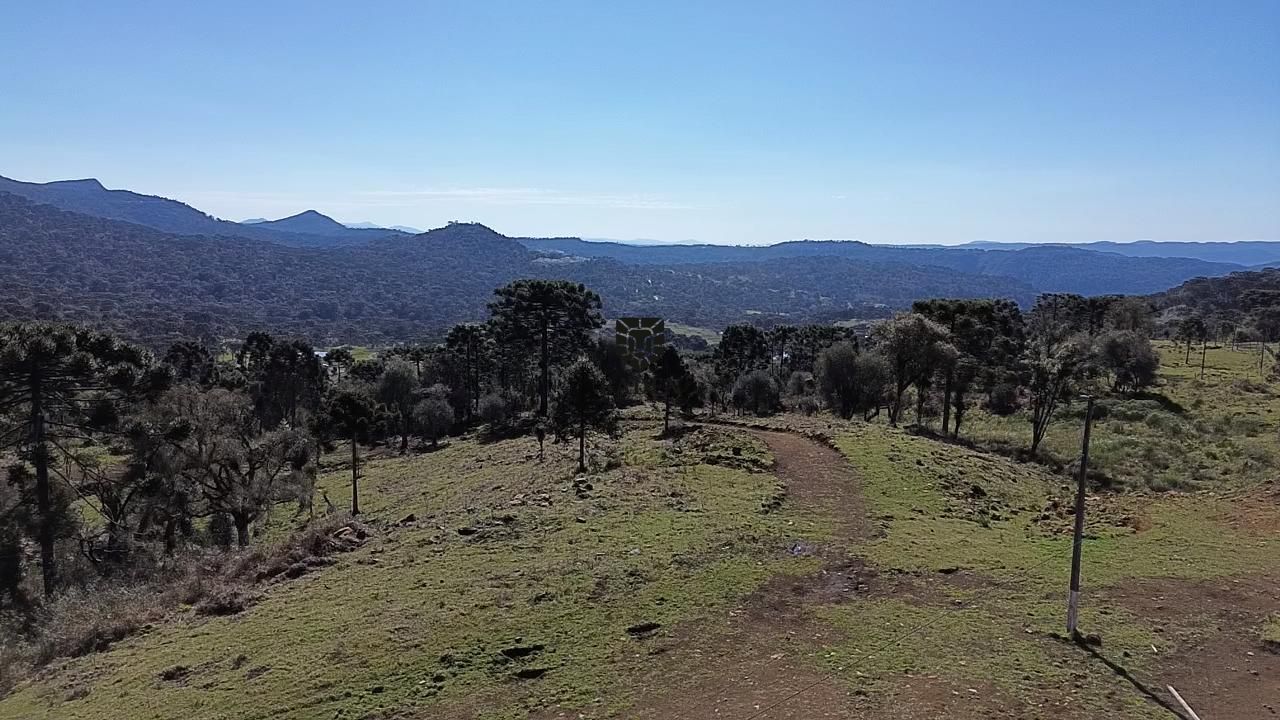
(733, 122)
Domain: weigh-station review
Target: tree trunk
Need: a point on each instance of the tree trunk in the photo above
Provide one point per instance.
(404, 439)
(242, 529)
(582, 447)
(958, 400)
(946, 404)
(1204, 348)
(355, 476)
(44, 494)
(896, 408)
(170, 536)
(666, 415)
(544, 382)
(1039, 425)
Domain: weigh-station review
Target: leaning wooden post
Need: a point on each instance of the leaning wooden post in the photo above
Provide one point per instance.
(1073, 599)
(1191, 713)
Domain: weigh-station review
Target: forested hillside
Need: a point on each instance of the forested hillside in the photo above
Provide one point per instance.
(1241, 306)
(1241, 252)
(91, 198)
(157, 287)
(1045, 269)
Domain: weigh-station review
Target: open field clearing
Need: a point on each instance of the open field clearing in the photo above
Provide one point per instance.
(843, 569)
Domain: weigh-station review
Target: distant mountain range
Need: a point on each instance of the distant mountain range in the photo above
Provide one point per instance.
(1044, 268)
(91, 198)
(326, 223)
(159, 287)
(158, 269)
(1241, 252)
(374, 226)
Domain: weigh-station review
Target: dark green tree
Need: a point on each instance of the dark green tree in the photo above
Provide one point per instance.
(988, 337)
(291, 380)
(742, 348)
(619, 372)
(1053, 372)
(58, 384)
(433, 414)
(850, 381)
(582, 404)
(669, 374)
(397, 390)
(239, 469)
(915, 348)
(191, 362)
(552, 318)
(757, 393)
(1130, 358)
(340, 359)
(1191, 329)
(254, 351)
(351, 413)
(468, 343)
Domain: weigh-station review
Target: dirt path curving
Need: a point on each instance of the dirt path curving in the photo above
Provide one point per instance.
(757, 659)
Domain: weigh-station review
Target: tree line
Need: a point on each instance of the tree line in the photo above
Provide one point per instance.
(117, 458)
(944, 356)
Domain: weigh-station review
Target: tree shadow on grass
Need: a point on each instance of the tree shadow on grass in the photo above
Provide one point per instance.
(1166, 403)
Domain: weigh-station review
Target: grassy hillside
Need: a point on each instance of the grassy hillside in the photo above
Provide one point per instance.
(709, 576)
(670, 534)
(1221, 432)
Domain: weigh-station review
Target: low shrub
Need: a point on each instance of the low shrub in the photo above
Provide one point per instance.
(495, 410)
(91, 618)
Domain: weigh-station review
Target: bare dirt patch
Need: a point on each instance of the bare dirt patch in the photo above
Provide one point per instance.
(1223, 667)
(757, 658)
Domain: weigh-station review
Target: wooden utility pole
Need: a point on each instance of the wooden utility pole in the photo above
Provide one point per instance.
(1073, 599)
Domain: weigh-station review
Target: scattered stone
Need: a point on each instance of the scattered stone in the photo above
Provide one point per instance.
(530, 673)
(800, 549)
(410, 518)
(377, 689)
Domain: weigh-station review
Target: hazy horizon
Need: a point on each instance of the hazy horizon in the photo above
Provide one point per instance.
(913, 123)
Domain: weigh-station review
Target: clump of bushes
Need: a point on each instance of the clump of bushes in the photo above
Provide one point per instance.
(756, 393)
(495, 410)
(806, 405)
(1004, 400)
